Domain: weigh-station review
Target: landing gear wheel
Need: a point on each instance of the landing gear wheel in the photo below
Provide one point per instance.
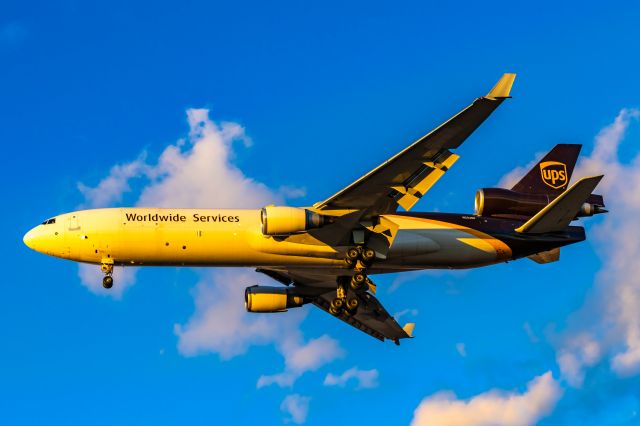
(352, 304)
(336, 306)
(358, 281)
(350, 262)
(368, 255)
(337, 303)
(107, 282)
(353, 253)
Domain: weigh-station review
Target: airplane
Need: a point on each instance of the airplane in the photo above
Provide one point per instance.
(326, 254)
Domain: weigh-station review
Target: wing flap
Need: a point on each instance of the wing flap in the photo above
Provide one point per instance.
(422, 181)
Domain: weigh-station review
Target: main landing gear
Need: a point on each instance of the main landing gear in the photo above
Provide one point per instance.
(349, 287)
(107, 281)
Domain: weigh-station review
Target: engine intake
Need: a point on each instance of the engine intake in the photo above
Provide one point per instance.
(271, 299)
(289, 220)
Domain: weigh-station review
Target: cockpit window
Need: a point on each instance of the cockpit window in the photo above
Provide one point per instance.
(49, 221)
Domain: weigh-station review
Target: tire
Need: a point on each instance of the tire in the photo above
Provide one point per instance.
(353, 303)
(368, 255)
(107, 282)
(337, 304)
(353, 253)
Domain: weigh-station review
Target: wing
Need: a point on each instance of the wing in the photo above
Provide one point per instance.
(406, 177)
(371, 317)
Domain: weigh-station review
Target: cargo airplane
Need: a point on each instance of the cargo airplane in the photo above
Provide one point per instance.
(326, 254)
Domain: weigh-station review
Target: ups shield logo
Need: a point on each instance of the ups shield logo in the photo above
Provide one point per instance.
(554, 174)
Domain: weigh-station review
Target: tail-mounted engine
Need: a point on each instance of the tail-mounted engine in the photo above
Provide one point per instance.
(272, 299)
(499, 202)
(289, 220)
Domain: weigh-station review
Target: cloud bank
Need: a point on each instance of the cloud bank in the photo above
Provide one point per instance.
(491, 408)
(609, 324)
(607, 327)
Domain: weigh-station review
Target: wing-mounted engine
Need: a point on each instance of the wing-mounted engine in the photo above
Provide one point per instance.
(277, 220)
(505, 203)
(272, 299)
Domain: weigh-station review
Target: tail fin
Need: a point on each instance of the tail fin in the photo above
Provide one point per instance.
(552, 174)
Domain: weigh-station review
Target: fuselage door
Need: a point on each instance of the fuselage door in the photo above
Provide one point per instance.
(73, 224)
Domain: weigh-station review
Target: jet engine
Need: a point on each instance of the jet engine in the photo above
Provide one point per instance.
(271, 299)
(289, 220)
(499, 202)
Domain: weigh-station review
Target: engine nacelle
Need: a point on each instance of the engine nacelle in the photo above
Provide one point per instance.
(504, 202)
(501, 202)
(271, 299)
(289, 220)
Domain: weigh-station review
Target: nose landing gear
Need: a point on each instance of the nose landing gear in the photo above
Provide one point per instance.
(107, 268)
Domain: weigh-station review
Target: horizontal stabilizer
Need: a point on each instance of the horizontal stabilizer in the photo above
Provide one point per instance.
(546, 256)
(558, 214)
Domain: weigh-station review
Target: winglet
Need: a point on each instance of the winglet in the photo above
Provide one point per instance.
(502, 88)
(408, 328)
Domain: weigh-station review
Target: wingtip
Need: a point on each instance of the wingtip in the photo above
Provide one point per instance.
(408, 328)
(502, 89)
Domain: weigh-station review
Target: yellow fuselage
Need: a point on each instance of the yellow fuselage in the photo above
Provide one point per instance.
(225, 237)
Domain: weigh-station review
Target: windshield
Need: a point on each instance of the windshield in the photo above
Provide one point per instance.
(49, 221)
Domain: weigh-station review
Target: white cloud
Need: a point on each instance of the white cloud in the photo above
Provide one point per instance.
(222, 326)
(461, 348)
(365, 379)
(198, 172)
(220, 323)
(608, 325)
(297, 408)
(111, 188)
(609, 319)
(578, 351)
(301, 358)
(491, 408)
(511, 178)
(405, 312)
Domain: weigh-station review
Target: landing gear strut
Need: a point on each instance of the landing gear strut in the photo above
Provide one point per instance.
(357, 258)
(348, 293)
(107, 281)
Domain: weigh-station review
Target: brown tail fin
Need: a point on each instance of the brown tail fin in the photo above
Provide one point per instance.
(552, 174)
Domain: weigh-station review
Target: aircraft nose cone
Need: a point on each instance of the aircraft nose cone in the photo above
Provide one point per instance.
(28, 239)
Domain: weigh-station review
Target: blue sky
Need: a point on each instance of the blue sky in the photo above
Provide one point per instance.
(325, 92)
